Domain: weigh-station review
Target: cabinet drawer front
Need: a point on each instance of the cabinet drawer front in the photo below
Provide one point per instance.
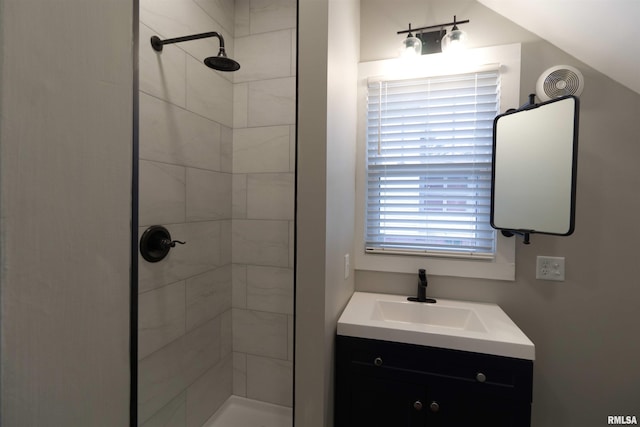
(492, 374)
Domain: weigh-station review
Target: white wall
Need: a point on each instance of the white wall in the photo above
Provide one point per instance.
(586, 354)
(66, 159)
(342, 73)
(328, 55)
(310, 396)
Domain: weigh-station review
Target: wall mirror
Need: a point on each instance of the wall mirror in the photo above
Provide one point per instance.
(534, 168)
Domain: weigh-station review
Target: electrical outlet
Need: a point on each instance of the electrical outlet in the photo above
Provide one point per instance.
(347, 266)
(550, 268)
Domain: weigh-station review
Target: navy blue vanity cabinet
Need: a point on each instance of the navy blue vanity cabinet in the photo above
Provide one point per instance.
(383, 384)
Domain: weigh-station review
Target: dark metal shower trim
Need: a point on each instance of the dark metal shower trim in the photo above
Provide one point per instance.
(220, 62)
(156, 242)
(157, 43)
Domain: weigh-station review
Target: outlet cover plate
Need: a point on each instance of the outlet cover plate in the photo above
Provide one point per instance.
(550, 268)
(347, 266)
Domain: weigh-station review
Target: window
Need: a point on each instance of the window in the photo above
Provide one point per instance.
(429, 144)
(424, 163)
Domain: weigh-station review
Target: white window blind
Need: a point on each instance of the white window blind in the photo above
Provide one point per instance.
(429, 144)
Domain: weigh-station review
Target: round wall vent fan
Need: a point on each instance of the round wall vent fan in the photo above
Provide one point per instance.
(559, 81)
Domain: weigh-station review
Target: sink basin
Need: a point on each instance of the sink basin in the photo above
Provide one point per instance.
(428, 314)
(458, 325)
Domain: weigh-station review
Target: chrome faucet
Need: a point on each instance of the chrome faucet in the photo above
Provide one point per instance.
(422, 288)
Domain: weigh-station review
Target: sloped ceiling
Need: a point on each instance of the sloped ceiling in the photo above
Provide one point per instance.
(604, 34)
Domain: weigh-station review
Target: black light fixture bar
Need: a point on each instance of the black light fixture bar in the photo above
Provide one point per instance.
(431, 27)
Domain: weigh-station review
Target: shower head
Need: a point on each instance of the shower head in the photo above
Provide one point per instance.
(220, 62)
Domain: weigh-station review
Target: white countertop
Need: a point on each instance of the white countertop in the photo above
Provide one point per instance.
(458, 325)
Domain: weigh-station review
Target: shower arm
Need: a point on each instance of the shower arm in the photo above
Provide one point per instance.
(157, 43)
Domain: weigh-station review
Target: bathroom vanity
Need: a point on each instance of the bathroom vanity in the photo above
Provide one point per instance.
(453, 363)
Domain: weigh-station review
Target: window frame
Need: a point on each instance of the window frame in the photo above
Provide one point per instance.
(507, 57)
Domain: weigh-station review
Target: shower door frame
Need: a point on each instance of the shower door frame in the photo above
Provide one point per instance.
(135, 198)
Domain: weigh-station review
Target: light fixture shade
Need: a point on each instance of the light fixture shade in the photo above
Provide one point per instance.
(454, 41)
(411, 46)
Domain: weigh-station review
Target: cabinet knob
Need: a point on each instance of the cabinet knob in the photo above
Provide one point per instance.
(480, 377)
(377, 361)
(417, 405)
(435, 407)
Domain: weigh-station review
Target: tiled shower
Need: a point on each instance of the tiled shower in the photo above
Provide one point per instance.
(217, 163)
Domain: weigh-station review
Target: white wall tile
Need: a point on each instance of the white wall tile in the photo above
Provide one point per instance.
(270, 289)
(209, 392)
(226, 149)
(226, 334)
(270, 380)
(264, 149)
(161, 318)
(240, 105)
(260, 333)
(162, 74)
(173, 135)
(261, 242)
(242, 18)
(239, 292)
(167, 372)
(270, 15)
(279, 95)
(222, 11)
(173, 414)
(270, 196)
(201, 253)
(225, 242)
(162, 193)
(201, 349)
(263, 56)
(208, 296)
(240, 374)
(239, 196)
(209, 94)
(208, 195)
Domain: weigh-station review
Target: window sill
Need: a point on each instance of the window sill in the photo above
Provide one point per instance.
(501, 268)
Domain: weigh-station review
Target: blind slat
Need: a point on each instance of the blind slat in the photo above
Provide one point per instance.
(429, 153)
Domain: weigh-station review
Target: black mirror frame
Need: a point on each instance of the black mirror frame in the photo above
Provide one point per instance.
(525, 233)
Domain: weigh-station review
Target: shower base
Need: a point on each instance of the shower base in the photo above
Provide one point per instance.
(239, 411)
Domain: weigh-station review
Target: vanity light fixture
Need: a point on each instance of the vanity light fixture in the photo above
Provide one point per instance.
(456, 40)
(434, 41)
(411, 46)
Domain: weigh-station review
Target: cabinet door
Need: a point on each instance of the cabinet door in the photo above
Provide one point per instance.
(378, 402)
(451, 403)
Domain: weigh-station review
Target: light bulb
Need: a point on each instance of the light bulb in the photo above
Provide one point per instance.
(454, 41)
(411, 46)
